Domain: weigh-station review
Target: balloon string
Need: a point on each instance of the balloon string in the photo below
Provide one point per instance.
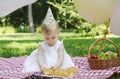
(105, 33)
(106, 30)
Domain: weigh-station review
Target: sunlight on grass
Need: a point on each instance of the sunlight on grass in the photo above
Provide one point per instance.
(22, 36)
(22, 44)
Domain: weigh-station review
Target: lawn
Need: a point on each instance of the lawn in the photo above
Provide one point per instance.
(23, 44)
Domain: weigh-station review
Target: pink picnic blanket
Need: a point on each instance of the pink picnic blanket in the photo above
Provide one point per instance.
(10, 68)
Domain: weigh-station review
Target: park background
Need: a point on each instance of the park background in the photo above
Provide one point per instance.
(18, 38)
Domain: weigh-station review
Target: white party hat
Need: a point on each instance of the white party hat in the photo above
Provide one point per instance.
(49, 19)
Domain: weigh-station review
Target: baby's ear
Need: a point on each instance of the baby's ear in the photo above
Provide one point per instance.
(58, 32)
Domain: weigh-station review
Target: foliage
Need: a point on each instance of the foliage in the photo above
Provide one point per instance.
(38, 30)
(64, 12)
(7, 30)
(67, 15)
(20, 16)
(86, 29)
(25, 29)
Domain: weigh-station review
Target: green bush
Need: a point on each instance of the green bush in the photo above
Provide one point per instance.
(86, 29)
(7, 30)
(24, 30)
(98, 30)
(38, 30)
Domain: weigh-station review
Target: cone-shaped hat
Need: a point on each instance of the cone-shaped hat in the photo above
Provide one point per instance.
(49, 19)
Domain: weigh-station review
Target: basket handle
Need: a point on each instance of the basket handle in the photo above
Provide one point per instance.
(89, 50)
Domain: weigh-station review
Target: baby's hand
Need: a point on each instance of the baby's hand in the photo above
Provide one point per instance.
(53, 68)
(42, 69)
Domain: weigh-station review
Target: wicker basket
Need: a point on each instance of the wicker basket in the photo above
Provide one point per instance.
(103, 64)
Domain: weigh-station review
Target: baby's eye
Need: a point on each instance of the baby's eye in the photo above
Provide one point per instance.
(53, 37)
(47, 38)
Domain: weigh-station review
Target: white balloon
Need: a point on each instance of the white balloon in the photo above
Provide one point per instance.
(8, 6)
(115, 20)
(95, 11)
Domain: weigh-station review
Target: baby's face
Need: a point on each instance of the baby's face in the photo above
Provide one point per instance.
(51, 38)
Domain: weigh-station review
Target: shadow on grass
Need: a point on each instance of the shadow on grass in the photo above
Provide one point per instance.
(115, 76)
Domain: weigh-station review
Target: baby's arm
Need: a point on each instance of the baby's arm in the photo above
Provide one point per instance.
(40, 57)
(60, 56)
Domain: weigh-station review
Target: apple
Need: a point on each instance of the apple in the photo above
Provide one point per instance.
(94, 56)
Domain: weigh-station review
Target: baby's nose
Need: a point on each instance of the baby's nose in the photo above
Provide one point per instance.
(50, 40)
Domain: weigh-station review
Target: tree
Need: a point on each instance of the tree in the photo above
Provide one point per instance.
(66, 13)
(31, 26)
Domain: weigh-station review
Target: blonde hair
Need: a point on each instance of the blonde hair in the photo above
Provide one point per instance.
(49, 28)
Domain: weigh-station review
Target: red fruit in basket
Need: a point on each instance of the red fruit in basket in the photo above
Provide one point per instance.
(94, 56)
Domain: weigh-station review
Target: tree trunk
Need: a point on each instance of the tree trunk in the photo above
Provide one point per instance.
(31, 26)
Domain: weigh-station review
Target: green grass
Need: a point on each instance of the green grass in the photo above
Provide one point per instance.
(23, 44)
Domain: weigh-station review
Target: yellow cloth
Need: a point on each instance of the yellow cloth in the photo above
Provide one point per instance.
(60, 72)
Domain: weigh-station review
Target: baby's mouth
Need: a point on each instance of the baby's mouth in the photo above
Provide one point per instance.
(51, 44)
